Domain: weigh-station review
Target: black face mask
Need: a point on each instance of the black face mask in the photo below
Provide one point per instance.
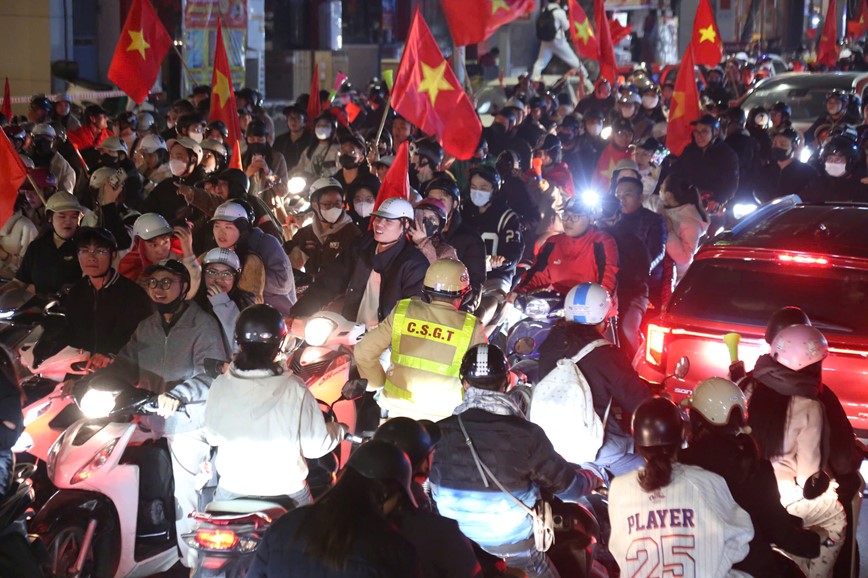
(431, 228)
(347, 161)
(779, 154)
(43, 148)
(565, 137)
(498, 129)
(108, 161)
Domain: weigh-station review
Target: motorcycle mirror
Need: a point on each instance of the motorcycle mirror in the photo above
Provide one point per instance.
(51, 308)
(215, 367)
(682, 368)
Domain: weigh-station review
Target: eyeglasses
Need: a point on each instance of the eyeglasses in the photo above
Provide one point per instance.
(215, 274)
(164, 284)
(571, 217)
(92, 253)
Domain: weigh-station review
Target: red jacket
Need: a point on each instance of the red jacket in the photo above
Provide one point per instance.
(83, 138)
(610, 157)
(133, 264)
(564, 262)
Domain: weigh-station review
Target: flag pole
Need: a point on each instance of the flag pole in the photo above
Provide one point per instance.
(386, 109)
(184, 64)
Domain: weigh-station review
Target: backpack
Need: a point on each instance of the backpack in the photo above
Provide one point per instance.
(546, 26)
(562, 405)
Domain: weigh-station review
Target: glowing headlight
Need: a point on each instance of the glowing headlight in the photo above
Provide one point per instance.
(97, 403)
(590, 198)
(7, 314)
(743, 209)
(96, 462)
(606, 133)
(318, 330)
(296, 185)
(537, 309)
(805, 154)
(34, 412)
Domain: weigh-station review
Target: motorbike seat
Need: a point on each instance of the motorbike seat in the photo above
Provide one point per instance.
(244, 506)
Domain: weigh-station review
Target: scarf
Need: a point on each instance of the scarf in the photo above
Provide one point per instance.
(322, 233)
(491, 401)
(784, 380)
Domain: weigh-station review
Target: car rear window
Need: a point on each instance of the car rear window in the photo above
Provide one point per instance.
(748, 292)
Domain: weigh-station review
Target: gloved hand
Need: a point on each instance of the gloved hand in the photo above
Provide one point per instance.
(167, 405)
(354, 388)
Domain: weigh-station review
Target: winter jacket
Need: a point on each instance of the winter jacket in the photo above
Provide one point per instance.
(314, 252)
(564, 262)
(501, 231)
(713, 170)
(836, 189)
(320, 159)
(747, 150)
(773, 181)
(253, 416)
(172, 360)
(650, 229)
(402, 269)
(166, 201)
(15, 236)
(279, 291)
(444, 552)
(293, 149)
(685, 227)
(47, 267)
(470, 248)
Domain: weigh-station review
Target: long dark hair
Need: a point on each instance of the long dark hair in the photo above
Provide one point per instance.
(767, 417)
(685, 193)
(657, 472)
(348, 514)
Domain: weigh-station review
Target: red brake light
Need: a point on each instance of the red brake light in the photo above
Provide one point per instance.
(802, 259)
(655, 344)
(216, 538)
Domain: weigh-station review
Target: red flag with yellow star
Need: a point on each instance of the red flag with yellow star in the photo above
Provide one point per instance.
(427, 93)
(143, 45)
(707, 44)
(12, 174)
(223, 105)
(685, 105)
(396, 182)
(472, 22)
(582, 32)
(827, 48)
(859, 26)
(608, 64)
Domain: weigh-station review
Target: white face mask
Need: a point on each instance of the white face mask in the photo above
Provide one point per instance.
(332, 215)
(196, 136)
(650, 101)
(322, 132)
(177, 167)
(480, 198)
(364, 208)
(836, 169)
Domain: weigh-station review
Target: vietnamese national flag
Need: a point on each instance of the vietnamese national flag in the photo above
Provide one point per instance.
(685, 105)
(396, 182)
(12, 174)
(608, 64)
(6, 108)
(859, 26)
(618, 30)
(474, 21)
(223, 105)
(429, 96)
(707, 44)
(143, 45)
(581, 32)
(827, 48)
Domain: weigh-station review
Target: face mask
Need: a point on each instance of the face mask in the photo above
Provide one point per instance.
(565, 137)
(347, 161)
(779, 154)
(43, 148)
(498, 129)
(480, 198)
(331, 215)
(364, 208)
(108, 161)
(595, 129)
(196, 136)
(170, 123)
(322, 132)
(650, 101)
(177, 167)
(836, 169)
(430, 228)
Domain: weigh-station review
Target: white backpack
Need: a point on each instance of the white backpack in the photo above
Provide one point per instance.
(562, 405)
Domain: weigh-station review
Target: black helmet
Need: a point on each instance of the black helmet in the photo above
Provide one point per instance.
(128, 119)
(256, 128)
(172, 266)
(657, 422)
(251, 95)
(444, 184)
(248, 208)
(380, 460)
(507, 162)
(735, 115)
(594, 114)
(549, 143)
(220, 127)
(571, 122)
(784, 317)
(185, 121)
(840, 145)
(260, 324)
(489, 174)
(409, 435)
(238, 181)
(782, 107)
(40, 101)
(838, 94)
(99, 236)
(484, 365)
(429, 149)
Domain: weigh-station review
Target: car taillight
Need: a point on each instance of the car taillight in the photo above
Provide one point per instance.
(216, 538)
(655, 344)
(802, 259)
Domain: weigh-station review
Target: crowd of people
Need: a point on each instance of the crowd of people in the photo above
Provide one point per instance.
(162, 257)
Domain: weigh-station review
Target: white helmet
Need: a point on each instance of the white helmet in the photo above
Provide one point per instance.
(231, 212)
(798, 346)
(152, 143)
(190, 145)
(114, 144)
(44, 129)
(146, 120)
(395, 208)
(62, 201)
(150, 226)
(100, 176)
(325, 183)
(587, 303)
(223, 256)
(715, 398)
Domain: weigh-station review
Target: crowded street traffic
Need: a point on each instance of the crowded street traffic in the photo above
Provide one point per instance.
(600, 317)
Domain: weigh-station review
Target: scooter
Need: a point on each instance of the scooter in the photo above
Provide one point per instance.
(541, 310)
(113, 513)
(14, 511)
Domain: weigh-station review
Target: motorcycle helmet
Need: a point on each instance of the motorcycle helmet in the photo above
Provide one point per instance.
(42, 177)
(380, 460)
(100, 176)
(489, 174)
(172, 266)
(146, 120)
(791, 134)
(152, 143)
(219, 126)
(798, 346)
(395, 208)
(323, 184)
(408, 435)
(62, 201)
(222, 256)
(256, 129)
(445, 184)
(188, 144)
(216, 148)
(840, 146)
(150, 226)
(782, 108)
(447, 278)
(234, 212)
(718, 401)
(98, 236)
(251, 95)
(429, 149)
(127, 119)
(657, 422)
(238, 182)
(587, 304)
(260, 324)
(485, 366)
(784, 317)
(436, 206)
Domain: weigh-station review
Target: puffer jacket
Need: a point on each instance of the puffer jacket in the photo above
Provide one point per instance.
(279, 281)
(713, 170)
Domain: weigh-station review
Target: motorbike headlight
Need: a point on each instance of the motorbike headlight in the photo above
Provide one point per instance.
(318, 330)
(537, 309)
(296, 185)
(591, 198)
(34, 412)
(24, 443)
(606, 133)
(97, 403)
(7, 314)
(805, 154)
(743, 209)
(95, 463)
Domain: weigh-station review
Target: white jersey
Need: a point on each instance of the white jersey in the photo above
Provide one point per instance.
(692, 528)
